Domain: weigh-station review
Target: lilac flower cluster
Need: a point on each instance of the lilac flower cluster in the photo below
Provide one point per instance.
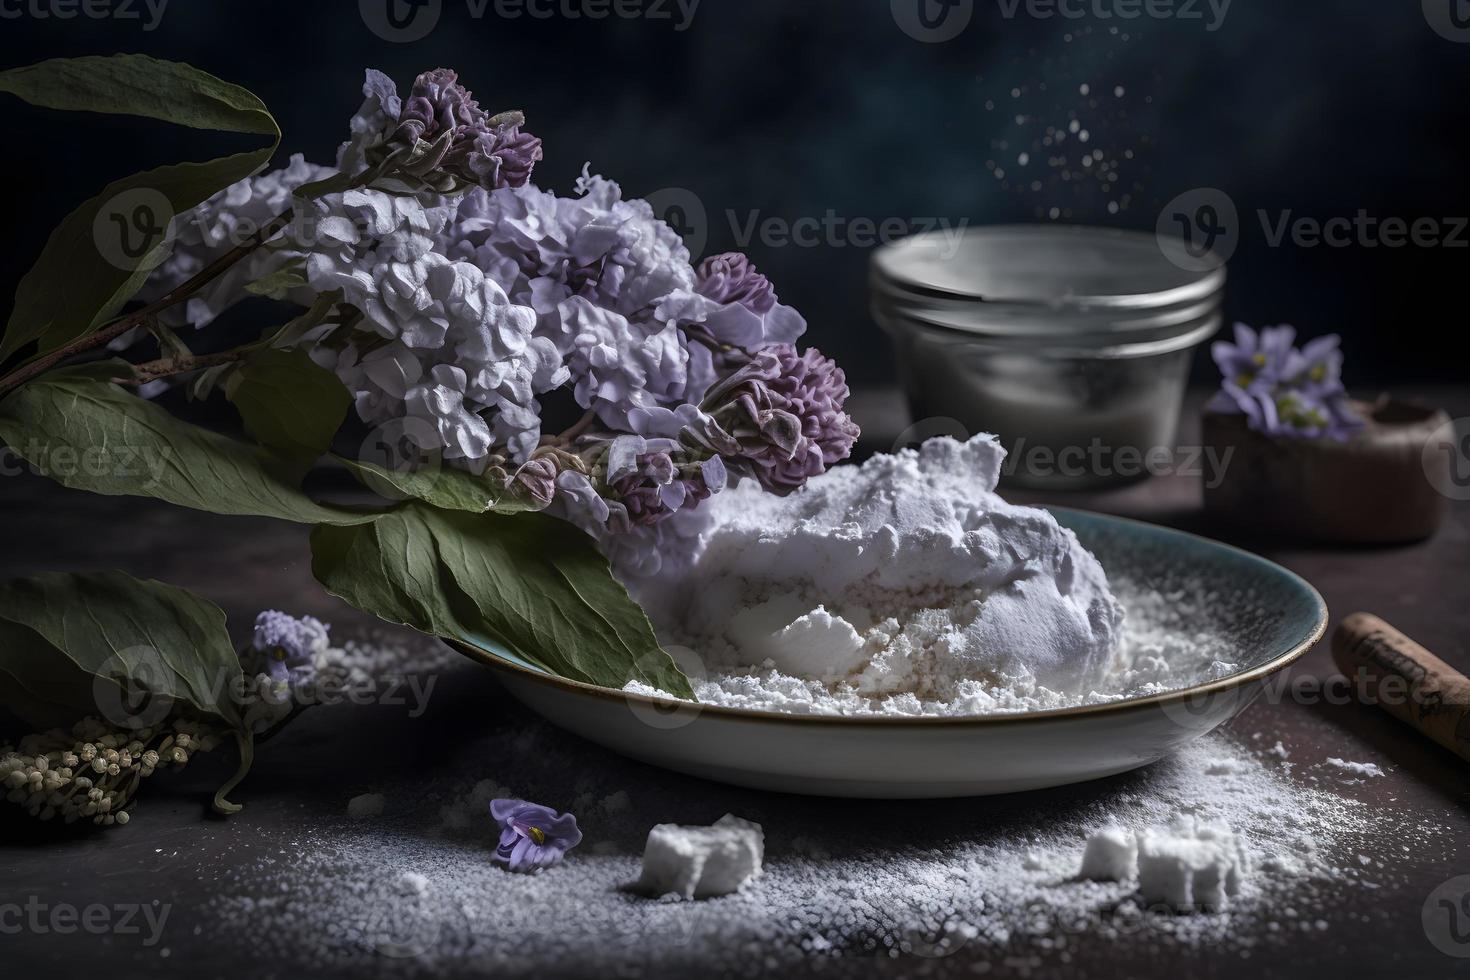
(441, 132)
(468, 296)
(1283, 390)
(286, 648)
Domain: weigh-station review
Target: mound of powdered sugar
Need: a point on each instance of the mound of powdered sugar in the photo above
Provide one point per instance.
(908, 586)
(906, 575)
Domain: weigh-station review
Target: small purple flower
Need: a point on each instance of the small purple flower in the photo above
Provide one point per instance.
(1283, 391)
(655, 485)
(731, 278)
(532, 836)
(449, 132)
(288, 646)
(436, 104)
(1317, 367)
(1254, 362)
(779, 418)
(499, 155)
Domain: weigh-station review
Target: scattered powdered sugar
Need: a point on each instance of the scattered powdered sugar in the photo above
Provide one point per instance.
(906, 586)
(1364, 769)
(983, 879)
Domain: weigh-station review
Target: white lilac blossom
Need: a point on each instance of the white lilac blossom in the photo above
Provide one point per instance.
(468, 296)
(227, 219)
(1283, 390)
(456, 347)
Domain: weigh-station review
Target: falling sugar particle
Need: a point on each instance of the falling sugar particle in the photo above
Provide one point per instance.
(1023, 159)
(1084, 88)
(1118, 92)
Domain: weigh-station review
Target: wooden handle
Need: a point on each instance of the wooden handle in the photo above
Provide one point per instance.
(1404, 679)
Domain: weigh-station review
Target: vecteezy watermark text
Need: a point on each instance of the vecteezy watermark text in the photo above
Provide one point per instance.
(1104, 462)
(149, 12)
(1211, 13)
(64, 462)
(683, 211)
(833, 230)
(406, 21)
(62, 918)
(1201, 229)
(937, 21)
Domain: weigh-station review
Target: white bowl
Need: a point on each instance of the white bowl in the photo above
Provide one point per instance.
(927, 757)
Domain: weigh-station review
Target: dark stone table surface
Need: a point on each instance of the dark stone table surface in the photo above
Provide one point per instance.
(246, 564)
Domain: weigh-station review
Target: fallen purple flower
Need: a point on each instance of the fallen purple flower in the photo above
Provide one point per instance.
(532, 836)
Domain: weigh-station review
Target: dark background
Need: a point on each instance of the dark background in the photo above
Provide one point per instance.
(792, 109)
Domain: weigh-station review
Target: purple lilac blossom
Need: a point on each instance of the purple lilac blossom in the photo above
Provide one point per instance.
(467, 307)
(444, 129)
(532, 836)
(652, 479)
(731, 278)
(1282, 390)
(288, 647)
(779, 418)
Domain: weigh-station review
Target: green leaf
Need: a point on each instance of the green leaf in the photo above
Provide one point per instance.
(91, 435)
(110, 645)
(101, 253)
(277, 283)
(137, 85)
(37, 684)
(332, 184)
(83, 278)
(291, 332)
(289, 403)
(441, 486)
(204, 383)
(531, 582)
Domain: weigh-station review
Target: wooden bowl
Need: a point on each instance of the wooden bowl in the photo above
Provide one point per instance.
(1375, 488)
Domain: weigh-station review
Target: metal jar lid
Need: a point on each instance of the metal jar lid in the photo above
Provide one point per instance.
(1047, 285)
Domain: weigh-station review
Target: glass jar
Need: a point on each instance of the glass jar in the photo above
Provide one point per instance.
(1070, 343)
